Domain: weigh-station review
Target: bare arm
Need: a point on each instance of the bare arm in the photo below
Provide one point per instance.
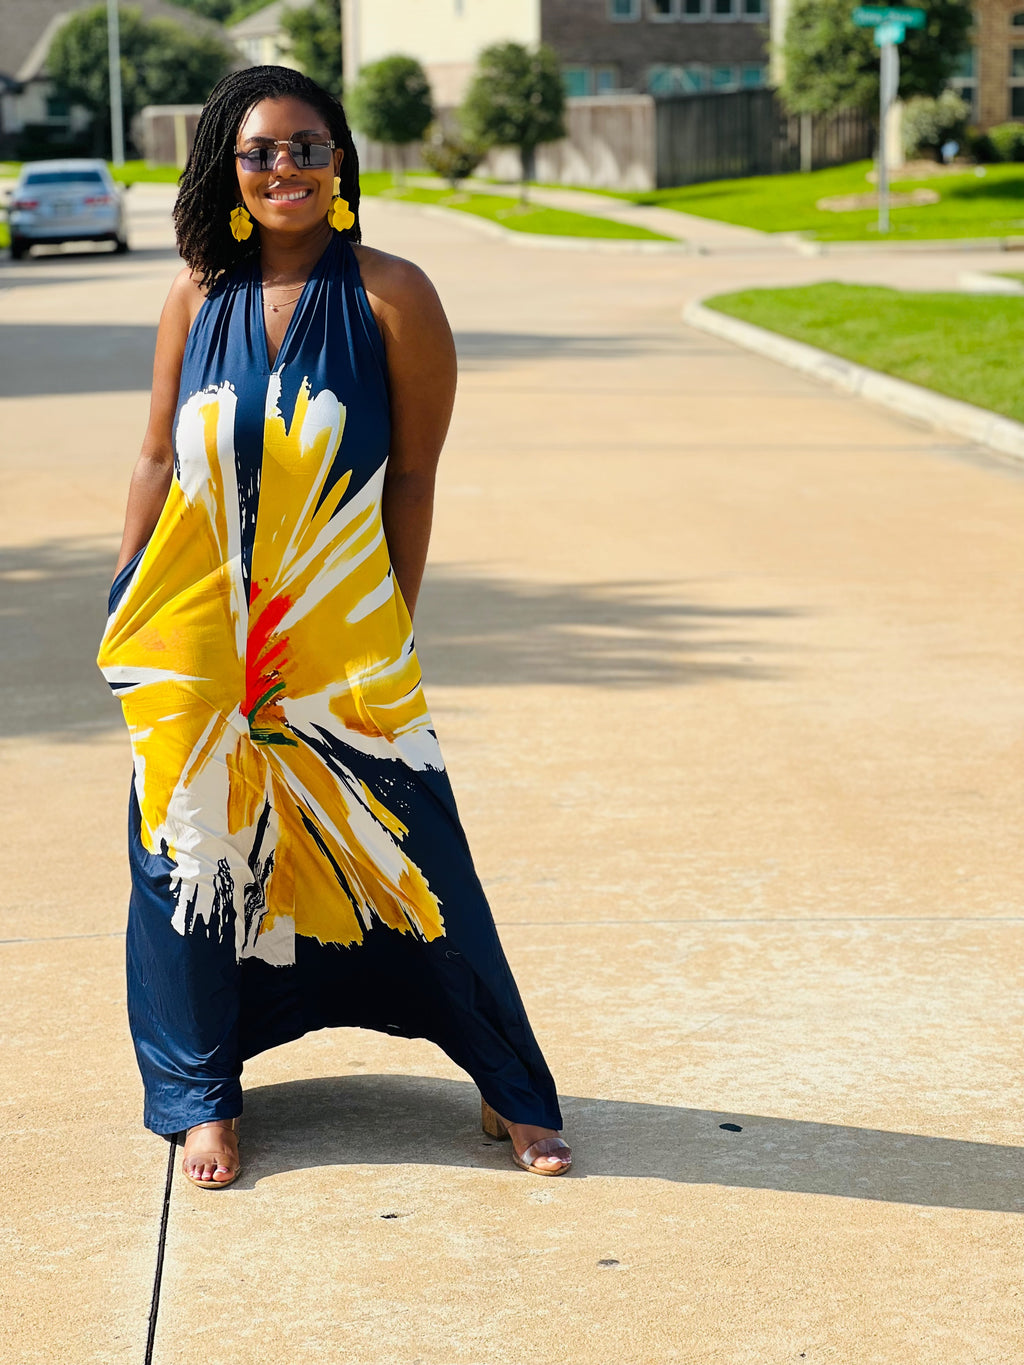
(422, 371)
(151, 477)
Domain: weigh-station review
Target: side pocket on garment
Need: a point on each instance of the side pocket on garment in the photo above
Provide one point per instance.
(121, 581)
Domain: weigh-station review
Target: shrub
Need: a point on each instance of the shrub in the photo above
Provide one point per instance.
(451, 156)
(928, 123)
(979, 145)
(1007, 141)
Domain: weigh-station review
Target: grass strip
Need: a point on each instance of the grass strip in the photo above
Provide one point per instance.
(990, 204)
(510, 213)
(138, 172)
(131, 173)
(967, 346)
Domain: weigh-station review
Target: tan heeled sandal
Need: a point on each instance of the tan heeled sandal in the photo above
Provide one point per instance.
(496, 1127)
(212, 1184)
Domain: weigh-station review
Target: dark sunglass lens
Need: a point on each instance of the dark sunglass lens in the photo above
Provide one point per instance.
(311, 154)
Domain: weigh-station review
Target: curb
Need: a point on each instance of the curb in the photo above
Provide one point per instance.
(806, 246)
(999, 433)
(538, 239)
(981, 282)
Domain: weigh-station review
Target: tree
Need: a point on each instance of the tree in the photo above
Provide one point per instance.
(391, 102)
(516, 99)
(223, 11)
(178, 66)
(830, 64)
(217, 10)
(161, 63)
(315, 34)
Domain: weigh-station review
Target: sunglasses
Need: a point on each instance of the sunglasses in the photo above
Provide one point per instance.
(312, 155)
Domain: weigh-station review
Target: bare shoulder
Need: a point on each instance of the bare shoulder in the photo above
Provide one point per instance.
(397, 289)
(185, 297)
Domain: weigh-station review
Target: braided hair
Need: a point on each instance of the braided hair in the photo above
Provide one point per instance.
(208, 188)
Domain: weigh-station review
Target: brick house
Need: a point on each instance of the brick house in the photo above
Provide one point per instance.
(607, 46)
(991, 77)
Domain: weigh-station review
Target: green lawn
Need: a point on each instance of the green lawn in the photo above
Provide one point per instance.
(129, 174)
(136, 172)
(509, 213)
(971, 205)
(965, 345)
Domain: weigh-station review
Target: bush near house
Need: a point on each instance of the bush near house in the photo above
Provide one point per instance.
(450, 156)
(1007, 141)
(930, 123)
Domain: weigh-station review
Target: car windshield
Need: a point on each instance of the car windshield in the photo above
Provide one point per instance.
(37, 178)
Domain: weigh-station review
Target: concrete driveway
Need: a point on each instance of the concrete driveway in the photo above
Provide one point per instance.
(727, 670)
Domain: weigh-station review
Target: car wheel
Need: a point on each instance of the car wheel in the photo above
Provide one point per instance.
(19, 247)
(120, 245)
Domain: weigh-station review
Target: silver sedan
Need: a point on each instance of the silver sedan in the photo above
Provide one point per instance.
(65, 201)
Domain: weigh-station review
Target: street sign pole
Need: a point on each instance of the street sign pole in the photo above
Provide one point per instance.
(890, 23)
(888, 87)
(116, 107)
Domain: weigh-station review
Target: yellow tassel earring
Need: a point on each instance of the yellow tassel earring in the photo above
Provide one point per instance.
(340, 215)
(241, 223)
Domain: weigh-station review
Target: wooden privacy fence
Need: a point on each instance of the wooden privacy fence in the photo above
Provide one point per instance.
(625, 142)
(747, 132)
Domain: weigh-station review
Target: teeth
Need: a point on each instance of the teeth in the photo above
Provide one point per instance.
(296, 194)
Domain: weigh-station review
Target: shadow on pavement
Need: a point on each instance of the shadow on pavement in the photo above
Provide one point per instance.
(472, 631)
(395, 1119)
(53, 606)
(48, 255)
(38, 359)
(477, 631)
(486, 350)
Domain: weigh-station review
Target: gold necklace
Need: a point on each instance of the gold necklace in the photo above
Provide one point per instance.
(284, 303)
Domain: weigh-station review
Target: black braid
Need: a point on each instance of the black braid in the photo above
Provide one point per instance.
(208, 189)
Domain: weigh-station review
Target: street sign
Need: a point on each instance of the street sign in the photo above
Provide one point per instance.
(870, 16)
(889, 33)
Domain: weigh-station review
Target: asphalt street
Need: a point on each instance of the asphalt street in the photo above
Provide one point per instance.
(726, 667)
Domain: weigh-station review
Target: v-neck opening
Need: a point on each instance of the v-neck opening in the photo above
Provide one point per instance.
(274, 365)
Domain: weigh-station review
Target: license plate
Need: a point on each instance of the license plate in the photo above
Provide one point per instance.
(62, 208)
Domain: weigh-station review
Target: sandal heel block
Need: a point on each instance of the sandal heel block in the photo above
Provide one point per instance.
(492, 1123)
(212, 1184)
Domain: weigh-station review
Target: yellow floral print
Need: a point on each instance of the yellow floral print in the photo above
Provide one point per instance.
(233, 694)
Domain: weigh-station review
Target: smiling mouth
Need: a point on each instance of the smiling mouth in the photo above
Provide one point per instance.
(288, 196)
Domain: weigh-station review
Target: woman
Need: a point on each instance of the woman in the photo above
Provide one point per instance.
(297, 859)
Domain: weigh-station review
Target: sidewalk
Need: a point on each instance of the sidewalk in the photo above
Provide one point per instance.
(726, 673)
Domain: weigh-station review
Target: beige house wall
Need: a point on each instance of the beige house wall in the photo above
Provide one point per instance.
(445, 35)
